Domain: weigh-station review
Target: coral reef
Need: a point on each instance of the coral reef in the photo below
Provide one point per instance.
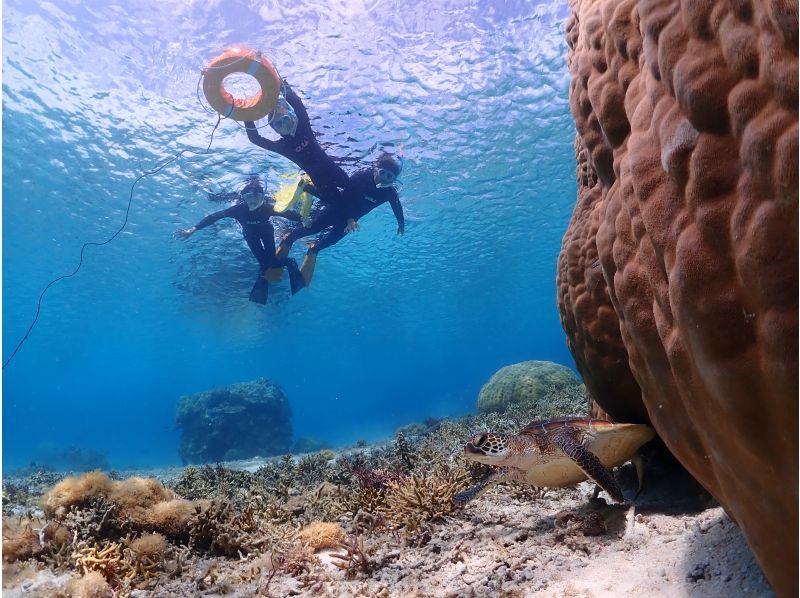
(542, 388)
(380, 523)
(234, 422)
(679, 272)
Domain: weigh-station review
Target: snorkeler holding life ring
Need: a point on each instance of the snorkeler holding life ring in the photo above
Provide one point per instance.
(345, 199)
(299, 144)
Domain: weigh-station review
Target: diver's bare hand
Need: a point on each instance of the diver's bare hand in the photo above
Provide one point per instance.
(352, 226)
(183, 233)
(400, 231)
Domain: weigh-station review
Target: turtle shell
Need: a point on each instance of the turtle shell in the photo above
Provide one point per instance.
(612, 443)
(543, 426)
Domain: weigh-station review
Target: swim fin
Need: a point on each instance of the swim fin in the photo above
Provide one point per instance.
(288, 195)
(273, 274)
(259, 292)
(296, 280)
(307, 269)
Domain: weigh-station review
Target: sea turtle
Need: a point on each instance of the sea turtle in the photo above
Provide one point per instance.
(556, 453)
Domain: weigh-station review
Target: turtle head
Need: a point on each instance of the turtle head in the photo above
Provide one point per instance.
(487, 447)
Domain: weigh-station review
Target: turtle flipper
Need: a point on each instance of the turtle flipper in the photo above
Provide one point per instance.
(569, 442)
(481, 486)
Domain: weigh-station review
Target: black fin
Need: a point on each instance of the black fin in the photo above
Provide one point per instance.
(259, 292)
(296, 280)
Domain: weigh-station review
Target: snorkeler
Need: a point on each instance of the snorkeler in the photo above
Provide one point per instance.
(253, 214)
(365, 190)
(299, 144)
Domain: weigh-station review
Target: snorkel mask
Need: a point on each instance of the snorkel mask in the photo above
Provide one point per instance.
(387, 169)
(253, 195)
(283, 119)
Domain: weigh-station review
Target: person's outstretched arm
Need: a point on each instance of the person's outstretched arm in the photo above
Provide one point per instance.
(208, 220)
(255, 137)
(397, 208)
(299, 108)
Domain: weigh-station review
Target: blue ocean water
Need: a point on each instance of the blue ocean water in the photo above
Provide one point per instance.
(393, 329)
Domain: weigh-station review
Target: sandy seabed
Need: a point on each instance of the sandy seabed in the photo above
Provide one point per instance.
(509, 542)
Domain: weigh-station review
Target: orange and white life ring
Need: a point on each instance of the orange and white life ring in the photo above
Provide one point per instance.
(241, 60)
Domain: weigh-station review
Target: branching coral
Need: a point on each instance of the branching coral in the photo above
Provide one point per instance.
(297, 561)
(403, 452)
(325, 502)
(372, 485)
(106, 559)
(97, 519)
(57, 542)
(220, 528)
(145, 555)
(277, 477)
(354, 560)
(312, 470)
(423, 497)
(213, 481)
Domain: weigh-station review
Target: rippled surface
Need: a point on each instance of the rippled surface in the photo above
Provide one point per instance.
(393, 329)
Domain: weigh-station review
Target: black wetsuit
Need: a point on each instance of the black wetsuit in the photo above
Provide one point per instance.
(256, 229)
(303, 149)
(360, 196)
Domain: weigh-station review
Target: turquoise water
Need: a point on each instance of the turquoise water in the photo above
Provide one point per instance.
(392, 330)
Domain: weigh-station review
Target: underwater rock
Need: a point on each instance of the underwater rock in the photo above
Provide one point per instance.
(238, 421)
(543, 388)
(688, 243)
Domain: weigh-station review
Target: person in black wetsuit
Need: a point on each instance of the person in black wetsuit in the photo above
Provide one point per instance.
(299, 144)
(253, 214)
(365, 190)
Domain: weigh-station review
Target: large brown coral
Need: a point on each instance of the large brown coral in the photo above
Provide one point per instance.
(686, 247)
